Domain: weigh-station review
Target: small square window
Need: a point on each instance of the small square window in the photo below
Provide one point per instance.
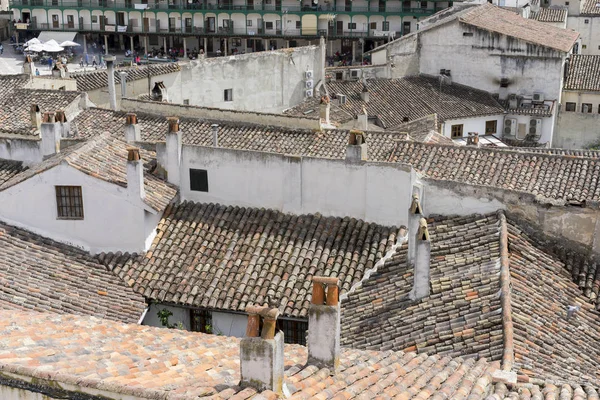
(373, 25)
(491, 127)
(584, 46)
(293, 331)
(351, 25)
(201, 321)
(268, 25)
(423, 4)
(94, 19)
(186, 102)
(69, 202)
(386, 26)
(249, 22)
(570, 106)
(586, 108)
(586, 21)
(228, 94)
(298, 24)
(467, 33)
(566, 3)
(457, 131)
(198, 180)
(504, 82)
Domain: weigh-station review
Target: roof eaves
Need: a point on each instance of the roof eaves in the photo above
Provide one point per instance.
(508, 354)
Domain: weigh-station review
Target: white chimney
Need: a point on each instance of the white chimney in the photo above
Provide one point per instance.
(356, 150)
(215, 133)
(422, 258)
(323, 339)
(35, 116)
(173, 147)
(132, 129)
(363, 120)
(123, 76)
(50, 134)
(110, 70)
(324, 110)
(364, 95)
(64, 125)
(261, 357)
(135, 174)
(415, 213)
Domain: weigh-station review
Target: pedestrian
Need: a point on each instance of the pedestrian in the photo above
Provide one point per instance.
(37, 72)
(94, 63)
(50, 62)
(81, 62)
(1, 49)
(87, 60)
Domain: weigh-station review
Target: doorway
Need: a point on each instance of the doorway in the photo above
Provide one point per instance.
(339, 28)
(70, 22)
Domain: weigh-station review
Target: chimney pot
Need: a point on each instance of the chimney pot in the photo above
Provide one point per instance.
(36, 117)
(356, 150)
(133, 154)
(131, 119)
(173, 124)
(215, 133)
(50, 134)
(323, 339)
(173, 151)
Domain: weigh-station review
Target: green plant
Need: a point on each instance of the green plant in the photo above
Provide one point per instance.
(163, 316)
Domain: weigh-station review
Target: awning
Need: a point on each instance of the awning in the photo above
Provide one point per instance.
(58, 36)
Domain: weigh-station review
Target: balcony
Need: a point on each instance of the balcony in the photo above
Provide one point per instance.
(205, 6)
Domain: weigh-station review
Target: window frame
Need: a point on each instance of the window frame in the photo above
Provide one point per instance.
(206, 320)
(200, 187)
(294, 331)
(76, 211)
(228, 95)
(460, 127)
(351, 25)
(590, 108)
(267, 23)
(495, 123)
(570, 104)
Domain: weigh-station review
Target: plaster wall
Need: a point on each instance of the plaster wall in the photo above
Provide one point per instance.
(548, 124)
(590, 32)
(26, 150)
(44, 82)
(125, 230)
(374, 192)
(180, 315)
(403, 56)
(577, 130)
(473, 125)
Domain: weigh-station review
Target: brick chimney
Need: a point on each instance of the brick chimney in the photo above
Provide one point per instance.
(215, 134)
(64, 125)
(356, 150)
(35, 116)
(173, 150)
(135, 174)
(261, 353)
(323, 339)
(50, 134)
(132, 129)
(422, 266)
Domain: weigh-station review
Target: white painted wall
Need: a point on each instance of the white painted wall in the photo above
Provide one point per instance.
(180, 315)
(375, 192)
(589, 29)
(229, 324)
(26, 150)
(575, 129)
(548, 124)
(113, 221)
(476, 124)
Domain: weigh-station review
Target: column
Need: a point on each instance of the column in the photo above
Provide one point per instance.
(131, 43)
(105, 45)
(184, 48)
(225, 44)
(165, 44)
(353, 50)
(287, 44)
(206, 47)
(145, 44)
(266, 44)
(245, 45)
(84, 44)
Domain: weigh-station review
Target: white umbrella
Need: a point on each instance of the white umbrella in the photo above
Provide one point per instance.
(52, 47)
(68, 43)
(36, 47)
(33, 41)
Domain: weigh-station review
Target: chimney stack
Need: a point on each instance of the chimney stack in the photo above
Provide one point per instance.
(473, 139)
(50, 134)
(324, 109)
(36, 116)
(356, 150)
(135, 174)
(415, 214)
(261, 353)
(323, 339)
(215, 133)
(132, 129)
(422, 257)
(123, 76)
(363, 120)
(364, 95)
(110, 69)
(173, 147)
(64, 125)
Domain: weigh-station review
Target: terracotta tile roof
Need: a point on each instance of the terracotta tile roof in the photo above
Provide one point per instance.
(8, 83)
(505, 22)
(171, 364)
(462, 314)
(309, 108)
(589, 8)
(15, 107)
(9, 169)
(549, 15)
(225, 257)
(542, 110)
(583, 73)
(585, 153)
(98, 79)
(42, 275)
(544, 391)
(570, 179)
(413, 97)
(305, 142)
(104, 157)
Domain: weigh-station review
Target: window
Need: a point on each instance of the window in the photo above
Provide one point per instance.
(598, 108)
(339, 76)
(228, 94)
(201, 321)
(467, 33)
(293, 331)
(69, 202)
(586, 21)
(385, 26)
(491, 127)
(405, 28)
(186, 102)
(94, 19)
(298, 24)
(423, 4)
(198, 180)
(351, 25)
(566, 3)
(457, 131)
(268, 25)
(570, 106)
(584, 46)
(373, 25)
(504, 82)
(586, 108)
(249, 22)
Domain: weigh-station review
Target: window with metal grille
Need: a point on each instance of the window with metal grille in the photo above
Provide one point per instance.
(198, 180)
(69, 202)
(201, 321)
(293, 331)
(457, 131)
(570, 106)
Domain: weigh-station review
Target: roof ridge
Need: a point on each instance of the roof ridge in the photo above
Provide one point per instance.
(508, 352)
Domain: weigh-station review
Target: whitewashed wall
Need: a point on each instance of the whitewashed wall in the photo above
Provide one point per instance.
(590, 32)
(375, 192)
(576, 130)
(26, 150)
(112, 220)
(476, 124)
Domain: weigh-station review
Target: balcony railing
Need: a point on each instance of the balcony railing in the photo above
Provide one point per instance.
(201, 31)
(196, 5)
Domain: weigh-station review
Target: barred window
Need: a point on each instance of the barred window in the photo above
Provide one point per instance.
(201, 321)
(69, 202)
(293, 331)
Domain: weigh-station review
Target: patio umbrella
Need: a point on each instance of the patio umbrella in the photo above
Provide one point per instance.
(33, 41)
(69, 43)
(36, 47)
(52, 46)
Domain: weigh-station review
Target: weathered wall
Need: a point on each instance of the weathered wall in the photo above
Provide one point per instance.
(576, 130)
(403, 56)
(476, 124)
(26, 150)
(268, 81)
(51, 83)
(375, 192)
(548, 129)
(590, 32)
(580, 226)
(180, 315)
(125, 230)
(169, 110)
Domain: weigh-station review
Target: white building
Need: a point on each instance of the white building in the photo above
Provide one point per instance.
(489, 48)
